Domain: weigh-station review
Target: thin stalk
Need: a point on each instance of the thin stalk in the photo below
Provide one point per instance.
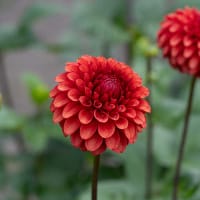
(149, 148)
(183, 141)
(4, 85)
(95, 177)
(129, 53)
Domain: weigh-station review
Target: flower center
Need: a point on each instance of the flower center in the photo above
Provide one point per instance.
(109, 84)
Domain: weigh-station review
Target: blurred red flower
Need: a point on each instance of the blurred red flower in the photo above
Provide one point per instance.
(99, 103)
(179, 39)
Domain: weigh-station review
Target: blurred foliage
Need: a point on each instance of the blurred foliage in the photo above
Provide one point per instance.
(48, 167)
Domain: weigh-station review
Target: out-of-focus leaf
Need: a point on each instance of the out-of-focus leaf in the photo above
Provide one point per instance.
(38, 91)
(37, 11)
(9, 120)
(109, 190)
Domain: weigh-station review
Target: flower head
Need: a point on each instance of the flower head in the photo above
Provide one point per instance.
(99, 103)
(179, 39)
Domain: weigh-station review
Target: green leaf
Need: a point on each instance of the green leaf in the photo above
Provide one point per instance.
(9, 120)
(38, 91)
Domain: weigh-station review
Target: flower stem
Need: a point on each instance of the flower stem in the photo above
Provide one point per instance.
(183, 141)
(95, 177)
(149, 148)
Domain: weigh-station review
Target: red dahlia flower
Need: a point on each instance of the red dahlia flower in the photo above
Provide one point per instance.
(179, 38)
(99, 103)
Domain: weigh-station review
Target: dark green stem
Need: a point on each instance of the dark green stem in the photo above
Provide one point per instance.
(149, 148)
(183, 141)
(95, 177)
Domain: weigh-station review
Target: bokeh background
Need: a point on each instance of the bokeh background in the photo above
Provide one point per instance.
(36, 39)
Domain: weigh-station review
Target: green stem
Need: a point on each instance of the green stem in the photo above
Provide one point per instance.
(95, 177)
(183, 140)
(149, 148)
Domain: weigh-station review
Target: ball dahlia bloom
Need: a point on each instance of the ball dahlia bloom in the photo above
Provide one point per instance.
(179, 39)
(99, 103)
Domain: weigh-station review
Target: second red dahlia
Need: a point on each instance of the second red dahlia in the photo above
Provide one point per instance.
(100, 104)
(179, 39)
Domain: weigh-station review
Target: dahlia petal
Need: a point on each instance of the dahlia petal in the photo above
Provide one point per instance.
(88, 130)
(80, 83)
(71, 125)
(93, 143)
(175, 51)
(73, 76)
(113, 141)
(130, 132)
(107, 129)
(100, 150)
(188, 52)
(71, 67)
(121, 108)
(141, 92)
(122, 144)
(53, 92)
(163, 39)
(57, 115)
(181, 60)
(70, 109)
(176, 39)
(73, 94)
(97, 104)
(76, 139)
(85, 116)
(166, 50)
(130, 113)
(198, 44)
(144, 106)
(122, 123)
(61, 77)
(84, 68)
(52, 107)
(114, 115)
(100, 116)
(64, 86)
(174, 28)
(187, 41)
(85, 101)
(140, 118)
(193, 62)
(60, 100)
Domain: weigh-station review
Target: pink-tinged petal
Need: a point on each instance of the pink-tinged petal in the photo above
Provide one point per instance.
(187, 41)
(71, 125)
(93, 143)
(193, 62)
(97, 104)
(188, 52)
(85, 116)
(107, 129)
(60, 100)
(144, 106)
(76, 139)
(180, 60)
(64, 86)
(141, 92)
(113, 141)
(57, 115)
(71, 109)
(53, 92)
(100, 116)
(175, 51)
(176, 39)
(130, 132)
(61, 77)
(121, 108)
(74, 94)
(174, 28)
(80, 83)
(85, 101)
(134, 102)
(122, 144)
(100, 150)
(122, 123)
(140, 118)
(130, 112)
(114, 115)
(84, 68)
(88, 130)
(73, 76)
(71, 67)
(52, 107)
